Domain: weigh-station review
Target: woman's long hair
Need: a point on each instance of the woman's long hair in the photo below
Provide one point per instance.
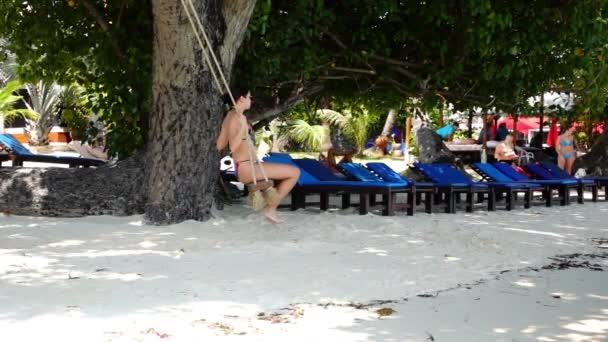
(237, 92)
(563, 128)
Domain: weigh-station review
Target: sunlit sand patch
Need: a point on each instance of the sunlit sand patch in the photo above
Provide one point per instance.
(525, 283)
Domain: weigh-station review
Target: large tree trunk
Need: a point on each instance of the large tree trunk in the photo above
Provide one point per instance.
(181, 160)
(175, 177)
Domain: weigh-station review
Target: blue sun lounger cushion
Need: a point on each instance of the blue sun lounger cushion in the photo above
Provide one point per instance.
(509, 171)
(386, 173)
(561, 174)
(492, 172)
(358, 172)
(320, 171)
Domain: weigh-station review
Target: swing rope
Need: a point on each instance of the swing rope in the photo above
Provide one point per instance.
(195, 21)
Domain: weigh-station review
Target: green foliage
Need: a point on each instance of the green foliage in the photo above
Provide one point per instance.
(7, 101)
(74, 113)
(61, 41)
(355, 122)
(381, 52)
(43, 98)
(311, 136)
(8, 65)
(471, 52)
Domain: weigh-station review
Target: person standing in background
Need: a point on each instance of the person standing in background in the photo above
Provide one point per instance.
(502, 132)
(447, 131)
(565, 148)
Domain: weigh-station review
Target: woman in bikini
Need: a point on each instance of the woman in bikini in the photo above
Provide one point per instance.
(566, 151)
(505, 151)
(234, 134)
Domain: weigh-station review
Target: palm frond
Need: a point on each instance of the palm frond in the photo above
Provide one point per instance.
(8, 66)
(7, 101)
(334, 118)
(10, 115)
(6, 93)
(309, 135)
(73, 96)
(44, 97)
(357, 127)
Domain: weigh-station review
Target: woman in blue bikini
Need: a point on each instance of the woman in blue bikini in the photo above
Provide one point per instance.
(566, 151)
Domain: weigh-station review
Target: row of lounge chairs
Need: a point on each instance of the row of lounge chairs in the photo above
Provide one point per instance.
(19, 154)
(444, 184)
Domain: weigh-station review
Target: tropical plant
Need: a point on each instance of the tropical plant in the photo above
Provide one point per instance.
(275, 134)
(8, 65)
(309, 135)
(43, 100)
(354, 123)
(73, 104)
(7, 101)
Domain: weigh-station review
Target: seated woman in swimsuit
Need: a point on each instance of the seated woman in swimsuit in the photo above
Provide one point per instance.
(566, 152)
(234, 134)
(505, 151)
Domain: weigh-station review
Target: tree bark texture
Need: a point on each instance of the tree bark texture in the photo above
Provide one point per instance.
(431, 147)
(181, 166)
(108, 190)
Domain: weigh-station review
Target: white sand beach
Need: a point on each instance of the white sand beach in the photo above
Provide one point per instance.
(317, 277)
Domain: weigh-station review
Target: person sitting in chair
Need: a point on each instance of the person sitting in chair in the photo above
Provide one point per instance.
(505, 150)
(339, 145)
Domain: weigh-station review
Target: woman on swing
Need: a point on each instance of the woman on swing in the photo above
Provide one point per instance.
(234, 133)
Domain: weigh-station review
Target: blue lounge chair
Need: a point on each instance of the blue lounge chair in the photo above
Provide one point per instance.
(21, 154)
(563, 186)
(451, 188)
(388, 174)
(361, 173)
(308, 184)
(447, 172)
(491, 173)
(541, 173)
(561, 174)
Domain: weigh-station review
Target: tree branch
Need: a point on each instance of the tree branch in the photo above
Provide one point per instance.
(406, 73)
(105, 26)
(400, 87)
(356, 70)
(287, 104)
(334, 38)
(394, 61)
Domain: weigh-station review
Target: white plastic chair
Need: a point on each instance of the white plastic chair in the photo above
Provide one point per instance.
(524, 157)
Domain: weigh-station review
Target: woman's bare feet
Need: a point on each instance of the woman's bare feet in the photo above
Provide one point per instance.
(271, 215)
